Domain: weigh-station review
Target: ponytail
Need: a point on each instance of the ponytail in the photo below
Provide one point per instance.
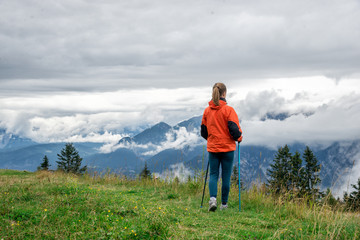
(218, 90)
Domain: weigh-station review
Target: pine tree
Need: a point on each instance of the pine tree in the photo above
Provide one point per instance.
(45, 164)
(279, 173)
(311, 175)
(189, 180)
(70, 160)
(235, 176)
(346, 198)
(297, 173)
(329, 198)
(145, 173)
(353, 199)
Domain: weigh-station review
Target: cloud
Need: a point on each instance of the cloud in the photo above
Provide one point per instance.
(312, 118)
(353, 176)
(177, 170)
(64, 115)
(177, 139)
(257, 105)
(77, 127)
(111, 45)
(349, 175)
(113, 146)
(335, 121)
(106, 137)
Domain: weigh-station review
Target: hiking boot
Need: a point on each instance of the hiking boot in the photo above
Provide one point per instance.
(223, 207)
(212, 204)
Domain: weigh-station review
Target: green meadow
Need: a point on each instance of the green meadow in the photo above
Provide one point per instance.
(54, 205)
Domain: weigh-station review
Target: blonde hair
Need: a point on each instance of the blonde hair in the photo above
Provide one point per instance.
(218, 90)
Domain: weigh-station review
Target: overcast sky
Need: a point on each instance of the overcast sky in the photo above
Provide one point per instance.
(72, 68)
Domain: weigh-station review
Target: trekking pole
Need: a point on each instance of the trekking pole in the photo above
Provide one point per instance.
(239, 177)
(207, 169)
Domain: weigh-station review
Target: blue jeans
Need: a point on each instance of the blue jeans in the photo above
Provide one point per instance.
(226, 160)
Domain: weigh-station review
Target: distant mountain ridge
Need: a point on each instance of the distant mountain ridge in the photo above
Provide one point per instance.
(155, 134)
(163, 146)
(10, 141)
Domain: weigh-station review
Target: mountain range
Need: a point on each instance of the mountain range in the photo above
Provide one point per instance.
(173, 151)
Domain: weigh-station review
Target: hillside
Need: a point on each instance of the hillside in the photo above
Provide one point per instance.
(46, 205)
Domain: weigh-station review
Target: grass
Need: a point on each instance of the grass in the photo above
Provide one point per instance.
(47, 205)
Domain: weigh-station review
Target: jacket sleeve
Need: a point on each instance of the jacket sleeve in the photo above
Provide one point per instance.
(234, 126)
(204, 132)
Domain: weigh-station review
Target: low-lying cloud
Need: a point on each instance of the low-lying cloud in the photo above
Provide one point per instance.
(335, 121)
(175, 139)
(347, 176)
(55, 118)
(317, 111)
(113, 146)
(175, 171)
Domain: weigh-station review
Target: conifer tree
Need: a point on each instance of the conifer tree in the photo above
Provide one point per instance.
(311, 175)
(329, 198)
(70, 160)
(297, 173)
(235, 176)
(145, 173)
(353, 199)
(189, 178)
(45, 164)
(279, 173)
(346, 198)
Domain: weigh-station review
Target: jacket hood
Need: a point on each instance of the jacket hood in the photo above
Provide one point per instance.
(213, 106)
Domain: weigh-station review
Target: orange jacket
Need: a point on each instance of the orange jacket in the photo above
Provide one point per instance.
(220, 127)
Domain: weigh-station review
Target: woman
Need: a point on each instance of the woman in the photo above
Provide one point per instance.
(220, 127)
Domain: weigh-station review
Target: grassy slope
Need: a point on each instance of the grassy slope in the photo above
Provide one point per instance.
(47, 205)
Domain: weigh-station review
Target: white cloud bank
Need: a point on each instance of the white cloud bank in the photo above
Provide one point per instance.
(106, 117)
(175, 139)
(58, 117)
(176, 171)
(338, 120)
